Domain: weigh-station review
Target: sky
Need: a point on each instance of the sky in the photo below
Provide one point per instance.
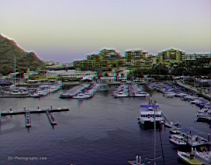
(67, 30)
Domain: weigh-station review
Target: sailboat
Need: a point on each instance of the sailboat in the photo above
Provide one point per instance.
(153, 107)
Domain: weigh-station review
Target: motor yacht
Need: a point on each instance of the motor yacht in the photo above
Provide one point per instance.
(178, 140)
(180, 94)
(204, 156)
(82, 96)
(169, 94)
(189, 158)
(150, 114)
(141, 94)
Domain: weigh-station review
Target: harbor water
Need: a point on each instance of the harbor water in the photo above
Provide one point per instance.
(98, 131)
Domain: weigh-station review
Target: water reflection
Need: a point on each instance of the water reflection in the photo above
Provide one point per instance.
(102, 130)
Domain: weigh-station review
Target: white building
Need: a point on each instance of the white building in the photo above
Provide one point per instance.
(70, 73)
(192, 57)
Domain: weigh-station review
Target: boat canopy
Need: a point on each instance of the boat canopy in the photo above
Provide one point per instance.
(149, 106)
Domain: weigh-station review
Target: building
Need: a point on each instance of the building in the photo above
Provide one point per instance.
(106, 59)
(109, 54)
(202, 60)
(196, 56)
(135, 55)
(71, 74)
(171, 56)
(136, 58)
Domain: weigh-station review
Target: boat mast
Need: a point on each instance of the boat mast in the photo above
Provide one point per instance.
(155, 142)
(154, 135)
(161, 144)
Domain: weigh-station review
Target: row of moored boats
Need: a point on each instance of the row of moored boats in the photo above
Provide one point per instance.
(41, 90)
(84, 91)
(130, 90)
(170, 91)
(191, 148)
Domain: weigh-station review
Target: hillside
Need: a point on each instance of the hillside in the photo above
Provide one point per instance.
(9, 51)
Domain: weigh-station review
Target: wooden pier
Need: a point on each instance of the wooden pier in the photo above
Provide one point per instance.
(38, 110)
(14, 96)
(51, 118)
(27, 119)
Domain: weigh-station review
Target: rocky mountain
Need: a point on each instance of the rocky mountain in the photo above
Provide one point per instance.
(11, 54)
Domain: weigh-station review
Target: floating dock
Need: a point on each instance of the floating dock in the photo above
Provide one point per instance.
(22, 112)
(14, 96)
(74, 91)
(27, 120)
(51, 118)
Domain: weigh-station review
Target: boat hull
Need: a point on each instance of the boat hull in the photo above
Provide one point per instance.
(149, 124)
(185, 157)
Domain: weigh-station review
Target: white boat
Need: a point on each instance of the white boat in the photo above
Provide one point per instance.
(55, 87)
(82, 96)
(204, 115)
(180, 94)
(175, 131)
(18, 91)
(195, 140)
(35, 95)
(191, 140)
(141, 94)
(89, 92)
(172, 125)
(169, 94)
(178, 140)
(189, 98)
(204, 156)
(189, 158)
(44, 92)
(203, 110)
(122, 91)
(150, 114)
(120, 94)
(168, 124)
(196, 101)
(74, 91)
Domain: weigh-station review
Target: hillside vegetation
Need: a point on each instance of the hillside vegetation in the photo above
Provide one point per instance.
(11, 52)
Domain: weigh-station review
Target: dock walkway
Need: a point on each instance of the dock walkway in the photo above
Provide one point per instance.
(193, 89)
(22, 112)
(51, 118)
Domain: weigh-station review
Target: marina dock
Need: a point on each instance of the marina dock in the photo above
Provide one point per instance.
(51, 118)
(22, 112)
(193, 89)
(27, 120)
(129, 90)
(74, 91)
(14, 96)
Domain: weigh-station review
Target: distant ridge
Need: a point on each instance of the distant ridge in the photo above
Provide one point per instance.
(9, 50)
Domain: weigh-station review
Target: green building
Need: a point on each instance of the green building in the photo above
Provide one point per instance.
(171, 56)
